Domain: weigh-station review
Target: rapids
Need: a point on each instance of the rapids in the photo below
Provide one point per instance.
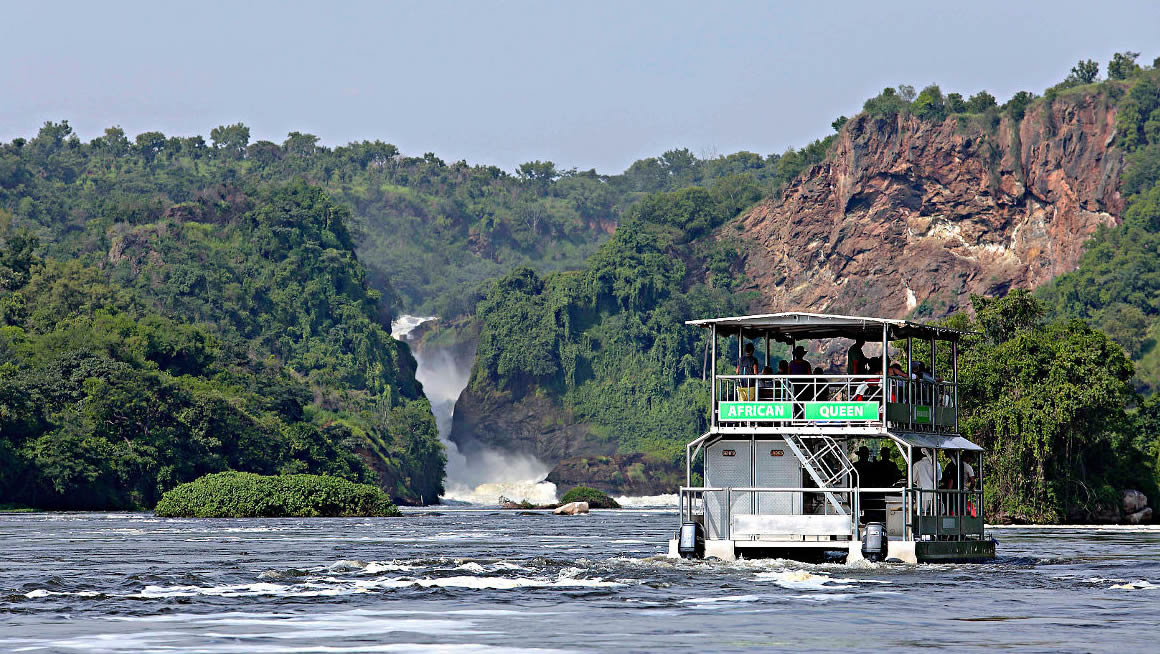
(486, 580)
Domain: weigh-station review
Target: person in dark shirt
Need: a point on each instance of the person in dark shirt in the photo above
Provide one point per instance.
(746, 365)
(855, 358)
(799, 365)
(823, 389)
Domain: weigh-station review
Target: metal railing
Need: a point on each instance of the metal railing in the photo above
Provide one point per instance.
(943, 514)
(692, 504)
(917, 404)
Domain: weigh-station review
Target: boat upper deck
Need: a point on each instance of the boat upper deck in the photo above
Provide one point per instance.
(898, 391)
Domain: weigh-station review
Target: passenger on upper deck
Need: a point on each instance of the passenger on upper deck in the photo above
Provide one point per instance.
(765, 386)
(799, 365)
(746, 365)
(855, 358)
(871, 389)
(823, 389)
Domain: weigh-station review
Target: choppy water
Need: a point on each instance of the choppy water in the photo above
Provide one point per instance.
(471, 580)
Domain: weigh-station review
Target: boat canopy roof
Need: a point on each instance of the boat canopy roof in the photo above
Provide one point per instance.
(803, 326)
(935, 441)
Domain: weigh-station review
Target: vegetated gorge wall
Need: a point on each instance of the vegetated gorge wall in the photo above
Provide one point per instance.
(907, 217)
(904, 217)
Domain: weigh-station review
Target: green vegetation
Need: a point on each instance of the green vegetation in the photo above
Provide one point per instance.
(229, 333)
(608, 342)
(595, 499)
(246, 495)
(1116, 286)
(1050, 401)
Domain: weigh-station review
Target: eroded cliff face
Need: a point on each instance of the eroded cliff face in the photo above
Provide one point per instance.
(906, 217)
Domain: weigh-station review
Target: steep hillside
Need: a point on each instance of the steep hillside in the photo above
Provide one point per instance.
(919, 203)
(911, 216)
(145, 342)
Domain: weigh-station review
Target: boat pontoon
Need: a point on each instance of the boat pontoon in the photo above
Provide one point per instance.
(778, 478)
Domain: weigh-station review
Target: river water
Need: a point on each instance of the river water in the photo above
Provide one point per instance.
(483, 580)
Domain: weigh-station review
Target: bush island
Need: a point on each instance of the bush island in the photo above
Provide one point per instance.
(247, 495)
(595, 498)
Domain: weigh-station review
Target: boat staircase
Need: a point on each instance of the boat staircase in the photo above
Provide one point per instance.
(826, 463)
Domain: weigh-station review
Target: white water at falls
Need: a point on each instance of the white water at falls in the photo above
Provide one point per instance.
(490, 474)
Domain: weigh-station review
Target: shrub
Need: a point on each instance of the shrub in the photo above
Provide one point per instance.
(595, 498)
(247, 495)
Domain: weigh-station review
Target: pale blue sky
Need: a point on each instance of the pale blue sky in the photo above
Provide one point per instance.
(591, 84)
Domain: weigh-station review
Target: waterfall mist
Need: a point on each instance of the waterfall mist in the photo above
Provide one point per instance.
(488, 474)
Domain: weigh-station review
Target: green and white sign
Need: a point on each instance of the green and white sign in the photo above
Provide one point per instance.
(922, 414)
(756, 411)
(841, 410)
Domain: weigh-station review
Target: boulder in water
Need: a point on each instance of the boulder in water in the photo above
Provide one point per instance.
(1134, 501)
(1139, 517)
(572, 508)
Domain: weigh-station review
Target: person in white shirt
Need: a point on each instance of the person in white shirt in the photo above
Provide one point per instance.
(927, 476)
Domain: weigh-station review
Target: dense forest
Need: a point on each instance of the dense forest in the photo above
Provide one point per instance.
(607, 342)
(172, 306)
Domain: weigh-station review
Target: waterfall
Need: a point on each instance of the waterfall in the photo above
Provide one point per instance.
(489, 474)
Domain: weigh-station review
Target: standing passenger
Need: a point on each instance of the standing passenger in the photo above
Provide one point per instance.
(927, 476)
(855, 358)
(746, 365)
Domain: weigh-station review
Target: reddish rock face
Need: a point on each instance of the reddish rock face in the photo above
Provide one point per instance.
(907, 216)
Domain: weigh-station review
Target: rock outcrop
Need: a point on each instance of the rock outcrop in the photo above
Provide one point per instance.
(907, 217)
(623, 474)
(533, 424)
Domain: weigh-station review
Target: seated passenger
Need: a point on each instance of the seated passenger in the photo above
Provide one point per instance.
(765, 386)
(823, 388)
(871, 389)
(782, 388)
(897, 382)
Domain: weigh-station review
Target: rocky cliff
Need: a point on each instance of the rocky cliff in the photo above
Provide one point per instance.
(910, 217)
(904, 217)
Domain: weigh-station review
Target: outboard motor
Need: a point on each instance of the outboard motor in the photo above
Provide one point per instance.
(691, 541)
(875, 542)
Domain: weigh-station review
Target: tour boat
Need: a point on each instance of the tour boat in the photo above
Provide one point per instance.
(778, 479)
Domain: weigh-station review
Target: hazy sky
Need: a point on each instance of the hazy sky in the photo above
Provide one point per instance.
(584, 84)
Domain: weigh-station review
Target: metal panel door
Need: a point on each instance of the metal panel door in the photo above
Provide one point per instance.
(776, 466)
(728, 464)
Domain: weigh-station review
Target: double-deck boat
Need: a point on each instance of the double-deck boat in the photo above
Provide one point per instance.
(777, 471)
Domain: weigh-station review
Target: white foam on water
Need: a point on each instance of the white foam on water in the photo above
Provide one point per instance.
(726, 598)
(532, 489)
(648, 501)
(806, 580)
(1136, 585)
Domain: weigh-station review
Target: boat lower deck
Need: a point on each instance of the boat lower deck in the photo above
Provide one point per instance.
(903, 551)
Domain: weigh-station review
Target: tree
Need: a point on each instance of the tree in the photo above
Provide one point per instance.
(1017, 105)
(150, 144)
(838, 123)
(980, 102)
(298, 144)
(956, 104)
(1047, 401)
(1084, 72)
(930, 104)
(906, 92)
(1123, 65)
(230, 141)
(538, 174)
